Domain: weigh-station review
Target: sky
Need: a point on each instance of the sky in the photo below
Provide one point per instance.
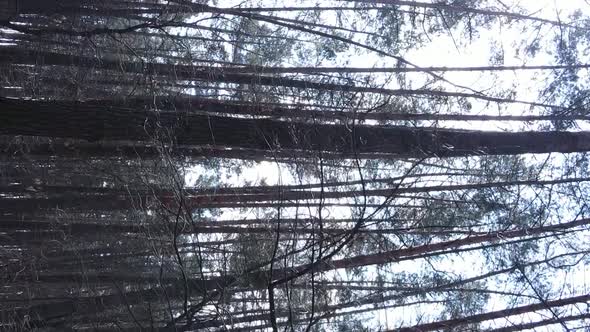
(441, 52)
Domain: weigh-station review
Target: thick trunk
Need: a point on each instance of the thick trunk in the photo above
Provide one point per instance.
(136, 150)
(91, 122)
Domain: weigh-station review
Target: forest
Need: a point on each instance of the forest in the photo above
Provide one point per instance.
(294, 165)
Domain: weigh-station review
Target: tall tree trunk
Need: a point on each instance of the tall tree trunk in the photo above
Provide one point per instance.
(456, 323)
(545, 322)
(220, 196)
(212, 106)
(413, 252)
(93, 123)
(204, 73)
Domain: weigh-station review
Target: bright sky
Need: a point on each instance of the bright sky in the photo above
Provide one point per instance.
(441, 52)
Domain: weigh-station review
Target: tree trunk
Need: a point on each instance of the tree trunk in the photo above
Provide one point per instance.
(204, 73)
(93, 123)
(452, 324)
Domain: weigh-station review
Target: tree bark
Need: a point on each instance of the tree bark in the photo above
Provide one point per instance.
(93, 123)
(454, 323)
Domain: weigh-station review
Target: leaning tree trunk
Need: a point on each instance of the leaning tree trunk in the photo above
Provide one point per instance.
(452, 324)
